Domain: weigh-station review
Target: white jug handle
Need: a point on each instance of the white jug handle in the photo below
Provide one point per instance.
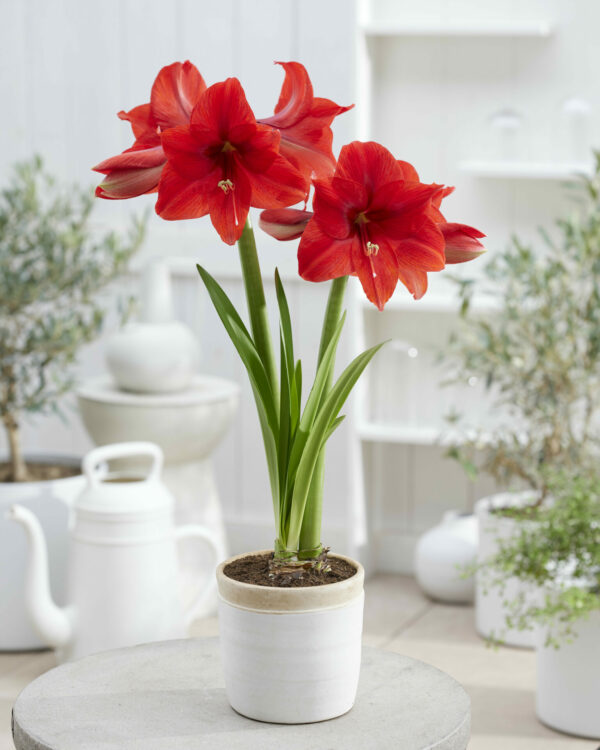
(97, 456)
(201, 532)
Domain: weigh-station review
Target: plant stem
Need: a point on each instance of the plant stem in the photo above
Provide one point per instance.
(18, 467)
(257, 306)
(310, 533)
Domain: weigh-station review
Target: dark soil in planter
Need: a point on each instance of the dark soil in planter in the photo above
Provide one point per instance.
(39, 472)
(255, 569)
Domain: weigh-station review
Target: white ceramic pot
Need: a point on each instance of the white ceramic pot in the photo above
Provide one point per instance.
(441, 555)
(568, 681)
(158, 354)
(50, 502)
(291, 655)
(490, 607)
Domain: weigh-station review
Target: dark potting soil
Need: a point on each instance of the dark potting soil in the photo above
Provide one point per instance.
(255, 569)
(38, 472)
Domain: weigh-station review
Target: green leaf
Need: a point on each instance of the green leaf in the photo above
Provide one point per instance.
(318, 434)
(314, 399)
(261, 387)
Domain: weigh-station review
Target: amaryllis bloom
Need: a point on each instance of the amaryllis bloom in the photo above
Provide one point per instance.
(137, 170)
(381, 224)
(223, 162)
(304, 123)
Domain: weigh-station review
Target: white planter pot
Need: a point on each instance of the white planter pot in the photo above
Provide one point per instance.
(50, 502)
(568, 681)
(490, 610)
(291, 655)
(441, 555)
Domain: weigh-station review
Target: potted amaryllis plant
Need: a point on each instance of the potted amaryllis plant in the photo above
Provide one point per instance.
(290, 618)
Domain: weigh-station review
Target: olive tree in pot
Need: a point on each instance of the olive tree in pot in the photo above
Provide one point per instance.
(559, 554)
(538, 353)
(291, 617)
(52, 268)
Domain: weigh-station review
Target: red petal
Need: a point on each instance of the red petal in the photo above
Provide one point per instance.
(133, 158)
(378, 273)
(369, 164)
(175, 92)
(394, 205)
(129, 183)
(223, 114)
(335, 202)
(143, 124)
(326, 109)
(179, 198)
(423, 249)
(295, 99)
(187, 155)
(281, 185)
(462, 242)
(320, 257)
(409, 173)
(284, 223)
(308, 147)
(304, 122)
(261, 150)
(229, 208)
(414, 280)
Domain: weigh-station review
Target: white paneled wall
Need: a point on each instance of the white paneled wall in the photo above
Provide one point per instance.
(68, 66)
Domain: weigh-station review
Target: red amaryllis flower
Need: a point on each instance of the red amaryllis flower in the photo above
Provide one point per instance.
(371, 222)
(137, 170)
(304, 123)
(223, 163)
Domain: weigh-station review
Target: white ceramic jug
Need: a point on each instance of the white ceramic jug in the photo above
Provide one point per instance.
(123, 577)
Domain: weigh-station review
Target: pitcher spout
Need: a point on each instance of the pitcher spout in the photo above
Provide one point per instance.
(53, 624)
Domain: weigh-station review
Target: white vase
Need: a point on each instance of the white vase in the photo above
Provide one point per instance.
(50, 501)
(442, 554)
(291, 655)
(568, 681)
(157, 354)
(490, 607)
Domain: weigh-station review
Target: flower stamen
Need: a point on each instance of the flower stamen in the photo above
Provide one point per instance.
(372, 248)
(226, 185)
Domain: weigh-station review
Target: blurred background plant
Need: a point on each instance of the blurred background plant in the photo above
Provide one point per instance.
(53, 267)
(559, 554)
(537, 352)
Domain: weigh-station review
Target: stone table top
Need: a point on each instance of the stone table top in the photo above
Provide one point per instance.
(171, 696)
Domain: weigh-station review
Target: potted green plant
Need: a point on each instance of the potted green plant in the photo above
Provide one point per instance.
(535, 345)
(559, 555)
(291, 617)
(51, 271)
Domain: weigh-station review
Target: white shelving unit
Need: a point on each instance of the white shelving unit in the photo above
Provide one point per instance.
(523, 170)
(524, 29)
(408, 482)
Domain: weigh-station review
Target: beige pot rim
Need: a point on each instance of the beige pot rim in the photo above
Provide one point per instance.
(284, 600)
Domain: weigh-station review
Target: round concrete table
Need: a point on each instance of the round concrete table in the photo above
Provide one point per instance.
(171, 696)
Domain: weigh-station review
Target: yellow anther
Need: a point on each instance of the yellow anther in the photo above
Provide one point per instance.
(372, 248)
(226, 185)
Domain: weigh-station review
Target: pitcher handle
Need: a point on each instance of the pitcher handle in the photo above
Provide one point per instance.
(97, 456)
(201, 532)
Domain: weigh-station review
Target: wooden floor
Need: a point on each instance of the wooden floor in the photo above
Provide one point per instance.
(398, 617)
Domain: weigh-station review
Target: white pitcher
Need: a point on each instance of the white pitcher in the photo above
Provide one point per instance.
(123, 577)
